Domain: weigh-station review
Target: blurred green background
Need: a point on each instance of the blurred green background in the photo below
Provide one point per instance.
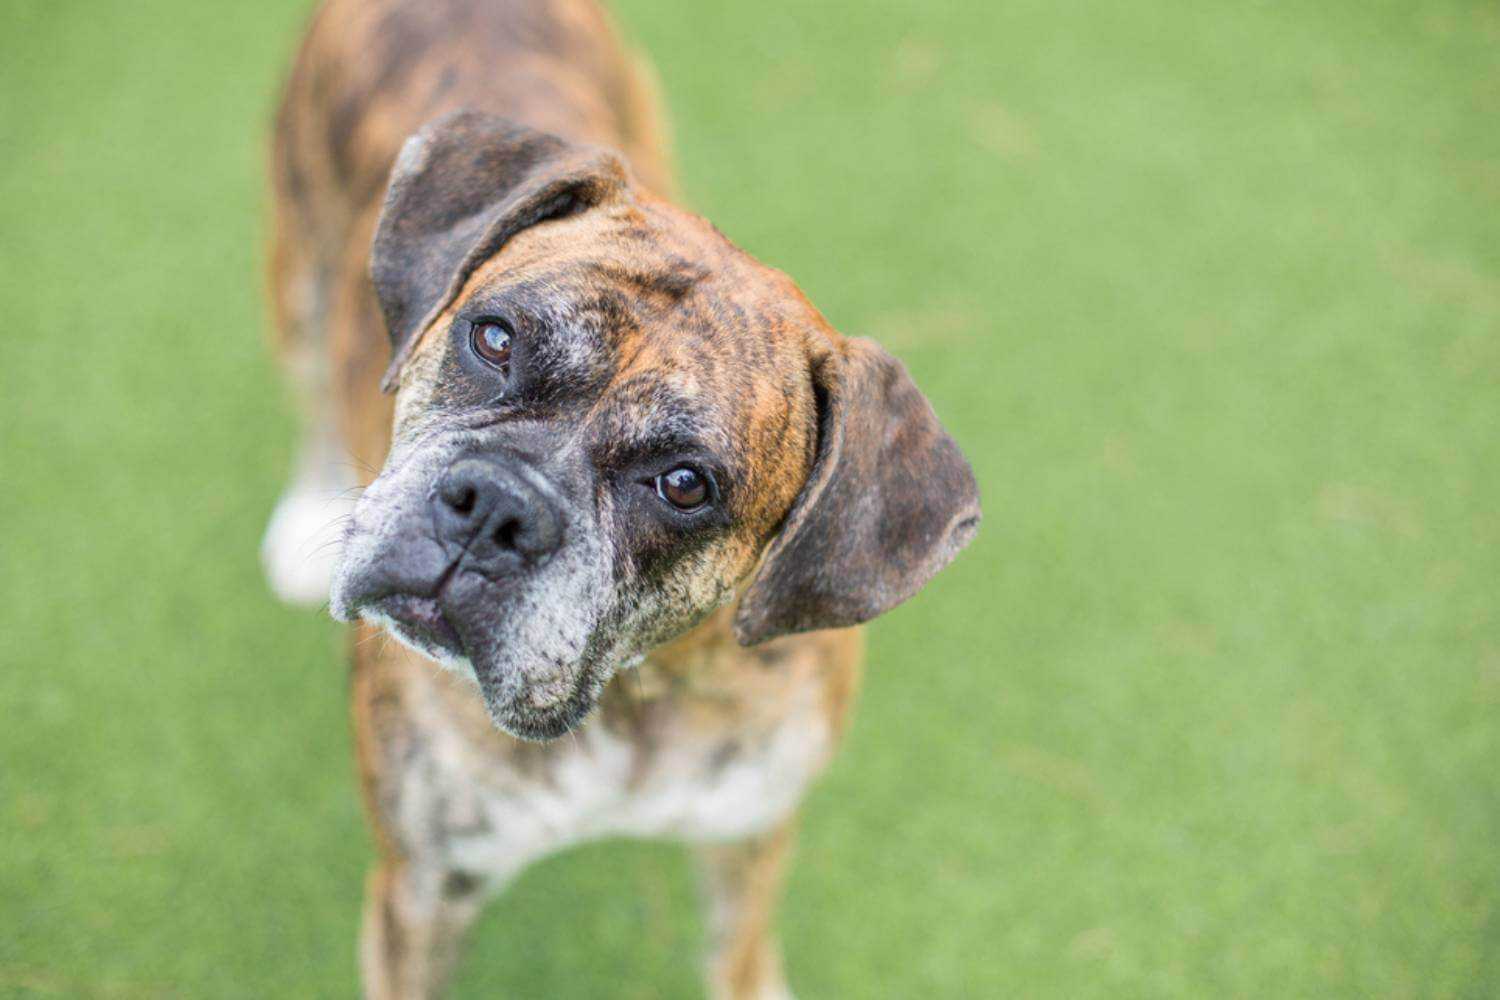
(1209, 290)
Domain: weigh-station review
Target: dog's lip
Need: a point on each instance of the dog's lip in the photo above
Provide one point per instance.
(534, 712)
(421, 616)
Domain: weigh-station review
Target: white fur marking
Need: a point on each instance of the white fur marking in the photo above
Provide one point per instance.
(304, 538)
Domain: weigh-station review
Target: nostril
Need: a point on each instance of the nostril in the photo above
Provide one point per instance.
(459, 496)
(507, 532)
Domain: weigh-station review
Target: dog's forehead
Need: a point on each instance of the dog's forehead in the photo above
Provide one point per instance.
(671, 398)
(716, 335)
(676, 332)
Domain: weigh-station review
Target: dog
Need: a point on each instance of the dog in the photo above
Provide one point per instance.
(636, 492)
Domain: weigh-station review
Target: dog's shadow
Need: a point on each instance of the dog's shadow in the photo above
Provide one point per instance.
(611, 919)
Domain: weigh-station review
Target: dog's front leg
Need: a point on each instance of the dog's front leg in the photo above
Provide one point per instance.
(414, 922)
(418, 902)
(741, 885)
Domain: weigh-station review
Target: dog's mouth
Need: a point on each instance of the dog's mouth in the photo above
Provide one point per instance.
(419, 620)
(531, 711)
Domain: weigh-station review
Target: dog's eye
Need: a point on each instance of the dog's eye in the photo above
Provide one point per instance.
(491, 341)
(684, 488)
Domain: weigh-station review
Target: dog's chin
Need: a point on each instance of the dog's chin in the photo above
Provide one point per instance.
(526, 711)
(537, 726)
(534, 710)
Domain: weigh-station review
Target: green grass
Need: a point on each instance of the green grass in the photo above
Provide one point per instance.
(1210, 291)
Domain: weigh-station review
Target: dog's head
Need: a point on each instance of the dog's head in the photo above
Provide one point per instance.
(610, 422)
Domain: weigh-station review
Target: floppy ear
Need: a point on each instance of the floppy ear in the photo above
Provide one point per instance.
(462, 186)
(890, 501)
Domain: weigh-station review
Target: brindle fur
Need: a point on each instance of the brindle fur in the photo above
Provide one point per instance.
(705, 739)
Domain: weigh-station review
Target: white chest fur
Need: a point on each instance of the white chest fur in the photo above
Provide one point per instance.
(491, 817)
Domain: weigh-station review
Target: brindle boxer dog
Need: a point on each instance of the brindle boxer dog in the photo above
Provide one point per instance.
(636, 489)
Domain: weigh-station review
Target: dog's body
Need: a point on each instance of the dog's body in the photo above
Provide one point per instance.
(670, 339)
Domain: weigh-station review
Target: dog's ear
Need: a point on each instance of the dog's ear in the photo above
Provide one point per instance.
(462, 186)
(889, 502)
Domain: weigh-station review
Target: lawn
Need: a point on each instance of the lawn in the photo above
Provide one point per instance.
(1209, 291)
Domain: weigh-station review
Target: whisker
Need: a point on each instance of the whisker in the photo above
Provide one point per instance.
(337, 539)
(355, 462)
(310, 556)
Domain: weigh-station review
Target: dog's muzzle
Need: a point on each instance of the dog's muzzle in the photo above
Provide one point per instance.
(486, 519)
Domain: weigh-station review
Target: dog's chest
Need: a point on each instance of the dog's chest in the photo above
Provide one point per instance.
(672, 771)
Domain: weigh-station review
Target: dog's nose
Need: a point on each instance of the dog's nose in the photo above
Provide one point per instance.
(499, 518)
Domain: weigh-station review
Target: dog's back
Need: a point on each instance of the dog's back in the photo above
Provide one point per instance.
(372, 72)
